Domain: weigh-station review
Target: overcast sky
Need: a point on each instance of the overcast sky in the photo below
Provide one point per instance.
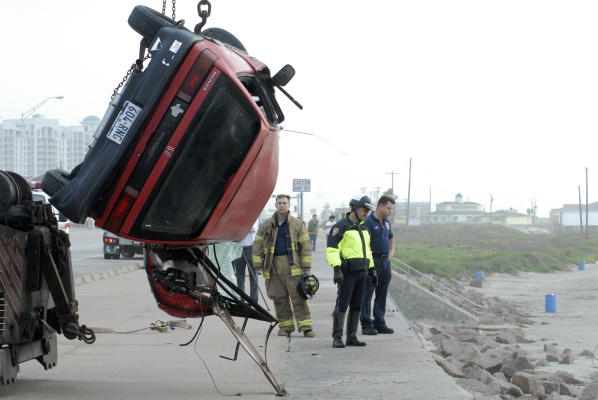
(487, 97)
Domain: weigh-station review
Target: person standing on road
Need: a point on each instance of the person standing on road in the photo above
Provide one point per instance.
(312, 230)
(350, 255)
(282, 254)
(383, 248)
(329, 224)
(247, 259)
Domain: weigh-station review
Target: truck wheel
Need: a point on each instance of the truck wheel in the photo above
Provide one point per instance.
(116, 256)
(54, 180)
(128, 252)
(225, 37)
(148, 22)
(107, 256)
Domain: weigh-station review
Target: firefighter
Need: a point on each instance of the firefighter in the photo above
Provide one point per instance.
(350, 255)
(282, 254)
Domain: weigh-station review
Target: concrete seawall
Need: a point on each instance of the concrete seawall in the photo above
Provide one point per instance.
(418, 303)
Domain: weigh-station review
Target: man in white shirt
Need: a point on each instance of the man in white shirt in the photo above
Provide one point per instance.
(247, 259)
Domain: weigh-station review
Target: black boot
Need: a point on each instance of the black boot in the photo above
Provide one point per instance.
(352, 323)
(338, 320)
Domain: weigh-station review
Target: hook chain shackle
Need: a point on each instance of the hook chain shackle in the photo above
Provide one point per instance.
(204, 9)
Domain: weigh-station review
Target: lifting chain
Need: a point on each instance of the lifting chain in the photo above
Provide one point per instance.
(173, 8)
(204, 9)
(137, 65)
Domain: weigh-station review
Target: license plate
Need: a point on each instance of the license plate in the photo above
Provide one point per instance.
(123, 122)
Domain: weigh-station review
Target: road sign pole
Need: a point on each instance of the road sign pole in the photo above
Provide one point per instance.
(301, 215)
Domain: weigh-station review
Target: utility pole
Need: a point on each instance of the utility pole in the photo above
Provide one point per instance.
(580, 217)
(408, 193)
(392, 182)
(430, 207)
(532, 213)
(376, 195)
(491, 200)
(587, 220)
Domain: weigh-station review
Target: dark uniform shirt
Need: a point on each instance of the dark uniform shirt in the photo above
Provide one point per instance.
(281, 247)
(380, 235)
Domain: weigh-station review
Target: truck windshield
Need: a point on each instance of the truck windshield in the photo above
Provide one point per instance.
(211, 152)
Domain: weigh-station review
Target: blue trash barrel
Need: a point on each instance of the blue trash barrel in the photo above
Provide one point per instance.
(581, 265)
(551, 302)
(478, 275)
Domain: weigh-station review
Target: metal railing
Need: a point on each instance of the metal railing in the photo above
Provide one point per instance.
(438, 288)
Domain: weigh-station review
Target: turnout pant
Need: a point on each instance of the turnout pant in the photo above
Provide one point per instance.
(384, 275)
(282, 289)
(350, 292)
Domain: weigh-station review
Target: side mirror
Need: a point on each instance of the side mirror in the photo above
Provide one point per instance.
(284, 76)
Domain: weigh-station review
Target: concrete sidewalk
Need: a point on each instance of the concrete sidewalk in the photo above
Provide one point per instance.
(389, 367)
(148, 364)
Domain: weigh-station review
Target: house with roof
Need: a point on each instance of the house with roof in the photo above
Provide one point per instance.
(568, 217)
(459, 211)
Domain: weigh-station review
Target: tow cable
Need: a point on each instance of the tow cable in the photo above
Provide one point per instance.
(158, 325)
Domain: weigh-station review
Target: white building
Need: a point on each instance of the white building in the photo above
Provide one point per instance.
(459, 211)
(568, 217)
(37, 144)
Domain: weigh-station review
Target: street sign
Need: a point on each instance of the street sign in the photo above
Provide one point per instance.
(301, 185)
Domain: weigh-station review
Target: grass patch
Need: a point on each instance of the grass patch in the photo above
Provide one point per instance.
(455, 250)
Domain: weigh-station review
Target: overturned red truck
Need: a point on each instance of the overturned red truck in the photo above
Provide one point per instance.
(185, 156)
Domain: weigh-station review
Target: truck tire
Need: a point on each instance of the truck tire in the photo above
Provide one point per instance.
(225, 37)
(128, 252)
(148, 22)
(107, 256)
(54, 180)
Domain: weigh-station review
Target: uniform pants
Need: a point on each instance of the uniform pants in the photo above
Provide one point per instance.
(384, 275)
(239, 264)
(282, 289)
(350, 292)
(314, 238)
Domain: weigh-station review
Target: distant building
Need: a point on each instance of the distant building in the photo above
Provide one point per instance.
(568, 217)
(511, 217)
(419, 213)
(459, 211)
(32, 146)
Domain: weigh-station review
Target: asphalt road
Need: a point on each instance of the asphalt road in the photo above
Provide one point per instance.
(87, 252)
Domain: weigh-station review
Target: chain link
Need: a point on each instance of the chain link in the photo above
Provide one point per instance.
(173, 8)
(137, 65)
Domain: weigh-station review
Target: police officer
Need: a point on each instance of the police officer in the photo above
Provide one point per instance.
(350, 255)
(383, 248)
